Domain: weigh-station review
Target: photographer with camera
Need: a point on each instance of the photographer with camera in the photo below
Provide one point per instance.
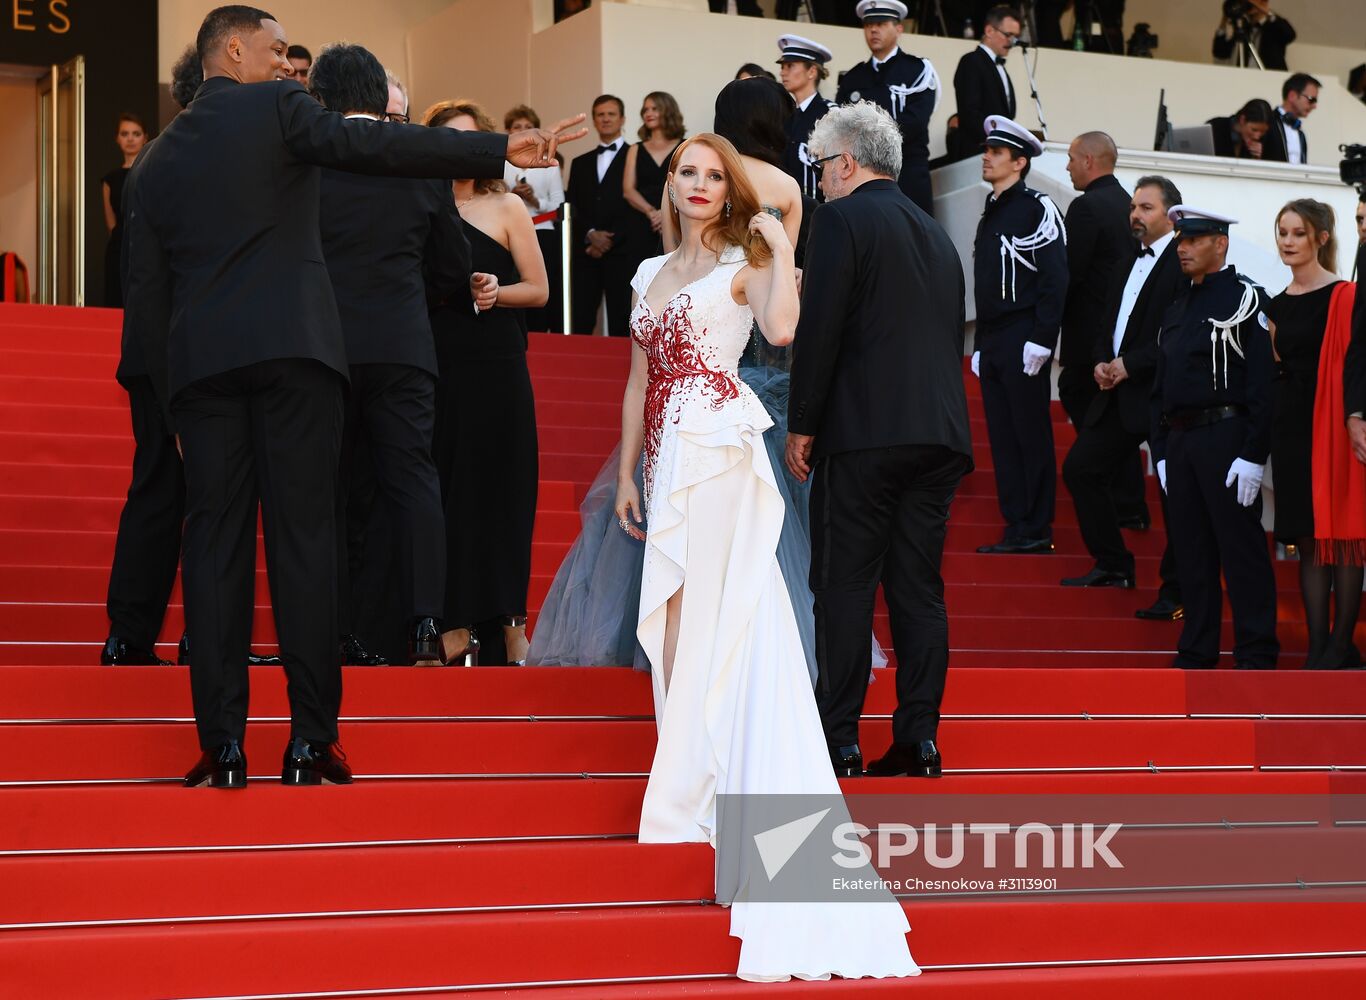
(1252, 35)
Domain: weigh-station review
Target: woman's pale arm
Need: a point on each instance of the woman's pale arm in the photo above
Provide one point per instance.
(534, 288)
(110, 219)
(628, 183)
(771, 290)
(628, 504)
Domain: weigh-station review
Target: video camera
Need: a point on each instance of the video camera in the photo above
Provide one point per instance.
(1352, 169)
(1236, 10)
(1142, 41)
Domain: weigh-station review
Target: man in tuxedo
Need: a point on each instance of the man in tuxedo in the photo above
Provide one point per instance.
(1020, 285)
(878, 418)
(801, 67)
(380, 237)
(245, 349)
(981, 82)
(603, 265)
(1099, 244)
(1286, 141)
(1117, 422)
(905, 85)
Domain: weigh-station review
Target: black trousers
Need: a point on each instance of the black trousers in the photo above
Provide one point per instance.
(594, 278)
(1098, 458)
(147, 549)
(266, 435)
(1211, 530)
(880, 515)
(1020, 429)
(1076, 390)
(393, 409)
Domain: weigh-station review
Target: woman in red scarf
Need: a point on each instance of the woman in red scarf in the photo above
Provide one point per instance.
(1320, 490)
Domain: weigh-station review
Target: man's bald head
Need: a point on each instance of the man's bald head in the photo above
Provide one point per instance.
(1091, 155)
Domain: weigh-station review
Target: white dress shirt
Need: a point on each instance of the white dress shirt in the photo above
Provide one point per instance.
(605, 158)
(807, 103)
(1000, 69)
(1292, 142)
(546, 183)
(1138, 274)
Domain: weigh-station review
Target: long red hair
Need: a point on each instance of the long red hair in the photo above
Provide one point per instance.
(725, 229)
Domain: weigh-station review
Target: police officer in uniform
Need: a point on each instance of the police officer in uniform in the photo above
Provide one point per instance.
(1020, 273)
(906, 85)
(801, 67)
(1212, 405)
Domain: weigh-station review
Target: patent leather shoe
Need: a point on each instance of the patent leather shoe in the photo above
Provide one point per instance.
(847, 761)
(222, 767)
(117, 653)
(1018, 546)
(354, 654)
(1101, 578)
(1162, 610)
(424, 644)
(915, 760)
(314, 763)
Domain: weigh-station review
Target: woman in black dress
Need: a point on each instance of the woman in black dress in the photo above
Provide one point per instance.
(132, 136)
(1299, 317)
(485, 441)
(647, 167)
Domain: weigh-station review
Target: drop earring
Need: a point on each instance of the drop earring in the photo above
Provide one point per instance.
(673, 199)
(727, 208)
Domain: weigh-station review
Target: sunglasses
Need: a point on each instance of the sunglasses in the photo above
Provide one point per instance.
(819, 165)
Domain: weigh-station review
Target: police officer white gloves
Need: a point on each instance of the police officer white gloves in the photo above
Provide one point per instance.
(977, 363)
(1249, 479)
(1034, 357)
(1162, 474)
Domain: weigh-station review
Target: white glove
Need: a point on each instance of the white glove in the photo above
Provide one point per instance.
(977, 363)
(1249, 479)
(1162, 474)
(1034, 358)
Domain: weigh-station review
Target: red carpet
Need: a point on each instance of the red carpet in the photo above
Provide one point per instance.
(490, 843)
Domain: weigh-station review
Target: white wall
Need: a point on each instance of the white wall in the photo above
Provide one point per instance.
(19, 172)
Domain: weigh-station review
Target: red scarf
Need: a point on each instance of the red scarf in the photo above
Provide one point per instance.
(1339, 479)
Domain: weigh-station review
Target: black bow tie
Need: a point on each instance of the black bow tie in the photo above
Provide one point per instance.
(1000, 60)
(1146, 252)
(1292, 122)
(607, 149)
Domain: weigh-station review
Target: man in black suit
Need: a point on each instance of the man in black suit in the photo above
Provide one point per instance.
(878, 417)
(801, 68)
(379, 236)
(1118, 420)
(245, 349)
(981, 82)
(905, 85)
(1099, 244)
(1286, 142)
(1265, 29)
(603, 264)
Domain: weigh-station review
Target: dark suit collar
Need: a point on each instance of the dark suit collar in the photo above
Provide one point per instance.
(876, 184)
(1107, 180)
(214, 84)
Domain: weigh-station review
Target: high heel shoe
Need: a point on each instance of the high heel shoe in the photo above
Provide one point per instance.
(424, 643)
(465, 657)
(514, 636)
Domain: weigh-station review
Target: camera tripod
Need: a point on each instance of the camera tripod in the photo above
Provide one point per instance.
(1244, 49)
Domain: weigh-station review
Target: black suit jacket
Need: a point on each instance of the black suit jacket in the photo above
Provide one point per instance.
(1099, 245)
(132, 359)
(379, 234)
(1273, 144)
(869, 372)
(599, 204)
(977, 85)
(225, 214)
(1354, 368)
(1139, 347)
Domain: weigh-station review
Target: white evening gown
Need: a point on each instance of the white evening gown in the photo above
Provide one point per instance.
(739, 716)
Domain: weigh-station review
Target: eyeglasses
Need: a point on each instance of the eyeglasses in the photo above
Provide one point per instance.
(394, 116)
(819, 165)
(1311, 100)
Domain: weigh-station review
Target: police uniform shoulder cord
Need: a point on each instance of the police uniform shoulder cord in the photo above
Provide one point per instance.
(1223, 331)
(927, 80)
(1050, 228)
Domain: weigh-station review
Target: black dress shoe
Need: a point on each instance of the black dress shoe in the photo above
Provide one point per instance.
(1136, 522)
(847, 761)
(117, 653)
(915, 760)
(224, 767)
(253, 660)
(1101, 578)
(1018, 546)
(314, 763)
(424, 643)
(354, 654)
(1162, 610)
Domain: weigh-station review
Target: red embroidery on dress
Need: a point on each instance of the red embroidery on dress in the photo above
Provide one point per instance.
(675, 363)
